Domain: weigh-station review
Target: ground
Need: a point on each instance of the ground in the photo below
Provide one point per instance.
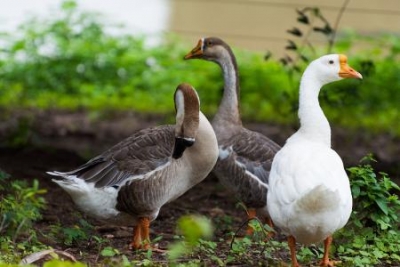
(62, 141)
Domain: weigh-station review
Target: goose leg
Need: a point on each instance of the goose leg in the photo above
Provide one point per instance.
(145, 230)
(292, 247)
(137, 238)
(325, 262)
(251, 214)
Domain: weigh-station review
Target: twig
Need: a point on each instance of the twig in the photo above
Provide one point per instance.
(335, 27)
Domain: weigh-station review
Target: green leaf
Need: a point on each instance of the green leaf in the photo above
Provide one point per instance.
(109, 252)
(382, 205)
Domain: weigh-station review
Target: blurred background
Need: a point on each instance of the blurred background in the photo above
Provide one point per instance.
(257, 25)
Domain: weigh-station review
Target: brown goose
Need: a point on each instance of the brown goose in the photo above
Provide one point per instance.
(245, 156)
(129, 183)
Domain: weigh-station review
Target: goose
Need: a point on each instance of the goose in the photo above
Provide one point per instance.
(245, 156)
(130, 182)
(309, 196)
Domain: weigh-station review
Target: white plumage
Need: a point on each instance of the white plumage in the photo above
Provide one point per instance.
(309, 194)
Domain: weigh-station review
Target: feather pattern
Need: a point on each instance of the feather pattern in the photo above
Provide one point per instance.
(309, 194)
(138, 154)
(246, 170)
(136, 177)
(245, 156)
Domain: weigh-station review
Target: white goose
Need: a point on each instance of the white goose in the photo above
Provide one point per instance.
(245, 156)
(309, 195)
(129, 183)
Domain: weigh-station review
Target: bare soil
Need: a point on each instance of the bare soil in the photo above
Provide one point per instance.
(56, 140)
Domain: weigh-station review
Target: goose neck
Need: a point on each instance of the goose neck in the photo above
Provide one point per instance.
(229, 107)
(313, 123)
(204, 151)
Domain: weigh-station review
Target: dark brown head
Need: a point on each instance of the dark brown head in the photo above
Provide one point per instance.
(187, 106)
(210, 48)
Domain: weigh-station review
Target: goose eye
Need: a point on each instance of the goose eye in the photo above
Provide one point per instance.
(331, 62)
(209, 43)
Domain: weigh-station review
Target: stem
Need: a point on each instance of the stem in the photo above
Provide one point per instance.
(338, 18)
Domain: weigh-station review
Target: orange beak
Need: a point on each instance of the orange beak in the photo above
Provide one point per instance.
(346, 71)
(196, 52)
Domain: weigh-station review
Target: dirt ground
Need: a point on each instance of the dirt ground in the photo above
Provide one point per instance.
(62, 141)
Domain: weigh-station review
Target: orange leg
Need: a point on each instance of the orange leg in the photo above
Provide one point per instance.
(137, 238)
(292, 247)
(141, 236)
(251, 214)
(325, 262)
(145, 229)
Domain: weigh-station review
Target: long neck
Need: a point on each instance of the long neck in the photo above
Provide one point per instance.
(313, 123)
(204, 152)
(229, 107)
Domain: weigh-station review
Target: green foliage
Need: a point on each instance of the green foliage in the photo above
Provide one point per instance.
(193, 228)
(372, 236)
(60, 263)
(109, 252)
(20, 206)
(72, 62)
(375, 200)
(74, 235)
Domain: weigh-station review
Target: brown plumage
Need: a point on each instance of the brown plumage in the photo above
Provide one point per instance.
(130, 182)
(245, 156)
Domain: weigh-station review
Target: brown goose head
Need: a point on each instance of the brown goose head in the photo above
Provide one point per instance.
(210, 48)
(187, 106)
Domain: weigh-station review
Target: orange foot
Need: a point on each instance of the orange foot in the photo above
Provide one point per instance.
(325, 262)
(141, 237)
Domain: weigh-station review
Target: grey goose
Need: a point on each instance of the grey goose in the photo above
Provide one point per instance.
(130, 182)
(245, 156)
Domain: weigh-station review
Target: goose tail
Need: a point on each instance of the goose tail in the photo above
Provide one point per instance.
(70, 183)
(319, 199)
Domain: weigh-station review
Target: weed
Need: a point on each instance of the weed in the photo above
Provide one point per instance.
(20, 206)
(79, 233)
(372, 236)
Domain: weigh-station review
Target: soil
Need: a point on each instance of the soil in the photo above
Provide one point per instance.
(56, 140)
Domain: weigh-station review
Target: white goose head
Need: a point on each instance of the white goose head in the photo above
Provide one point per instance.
(324, 70)
(187, 106)
(330, 68)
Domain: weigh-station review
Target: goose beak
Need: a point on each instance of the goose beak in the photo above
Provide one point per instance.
(346, 71)
(196, 52)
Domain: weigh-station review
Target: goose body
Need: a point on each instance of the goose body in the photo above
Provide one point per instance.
(245, 156)
(309, 195)
(129, 183)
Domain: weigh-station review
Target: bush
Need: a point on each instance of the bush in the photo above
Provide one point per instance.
(72, 62)
(372, 235)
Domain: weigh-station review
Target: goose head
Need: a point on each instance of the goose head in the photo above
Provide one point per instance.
(330, 68)
(210, 48)
(187, 106)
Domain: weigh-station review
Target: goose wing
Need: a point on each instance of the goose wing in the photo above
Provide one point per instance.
(253, 151)
(142, 152)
